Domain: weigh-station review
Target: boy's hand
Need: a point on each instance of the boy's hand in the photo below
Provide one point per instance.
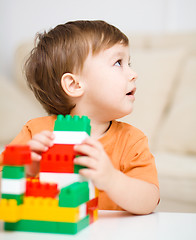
(38, 144)
(99, 167)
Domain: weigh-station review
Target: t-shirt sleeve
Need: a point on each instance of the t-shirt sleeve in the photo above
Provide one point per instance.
(139, 162)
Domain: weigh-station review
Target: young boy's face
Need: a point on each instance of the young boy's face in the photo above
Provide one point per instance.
(109, 83)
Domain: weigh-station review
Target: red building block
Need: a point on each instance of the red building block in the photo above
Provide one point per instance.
(90, 207)
(58, 159)
(35, 188)
(17, 155)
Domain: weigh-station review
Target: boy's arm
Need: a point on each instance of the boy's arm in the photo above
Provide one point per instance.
(133, 195)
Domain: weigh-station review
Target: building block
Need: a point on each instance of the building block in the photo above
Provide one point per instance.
(73, 228)
(59, 159)
(35, 205)
(16, 155)
(14, 172)
(48, 227)
(74, 195)
(32, 226)
(19, 198)
(61, 179)
(47, 209)
(92, 190)
(13, 186)
(69, 123)
(35, 188)
(77, 168)
(92, 209)
(69, 137)
(9, 210)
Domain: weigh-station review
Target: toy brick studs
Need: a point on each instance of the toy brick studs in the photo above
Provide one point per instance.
(60, 200)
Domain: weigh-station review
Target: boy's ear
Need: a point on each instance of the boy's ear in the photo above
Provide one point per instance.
(71, 86)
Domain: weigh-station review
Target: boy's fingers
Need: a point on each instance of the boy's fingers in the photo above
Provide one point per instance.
(49, 134)
(93, 142)
(35, 156)
(86, 150)
(37, 146)
(86, 161)
(88, 173)
(43, 139)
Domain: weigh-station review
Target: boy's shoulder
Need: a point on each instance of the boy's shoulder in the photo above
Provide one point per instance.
(41, 123)
(127, 129)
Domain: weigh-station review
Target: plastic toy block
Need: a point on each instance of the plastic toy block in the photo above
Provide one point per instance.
(59, 159)
(18, 198)
(73, 228)
(32, 226)
(14, 172)
(77, 168)
(92, 190)
(17, 155)
(47, 227)
(74, 195)
(9, 210)
(35, 188)
(61, 179)
(95, 215)
(69, 137)
(47, 209)
(92, 209)
(93, 203)
(69, 123)
(13, 186)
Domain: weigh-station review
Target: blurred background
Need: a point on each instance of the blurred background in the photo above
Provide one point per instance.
(162, 37)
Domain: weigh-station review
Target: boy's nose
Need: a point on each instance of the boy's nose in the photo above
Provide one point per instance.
(133, 75)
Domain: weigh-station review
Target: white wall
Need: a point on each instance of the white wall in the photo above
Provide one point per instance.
(21, 19)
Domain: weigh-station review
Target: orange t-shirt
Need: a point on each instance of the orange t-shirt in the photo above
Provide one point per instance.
(126, 146)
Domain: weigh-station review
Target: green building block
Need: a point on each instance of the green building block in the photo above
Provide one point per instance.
(74, 195)
(19, 198)
(13, 172)
(77, 168)
(48, 227)
(69, 123)
(73, 228)
(32, 226)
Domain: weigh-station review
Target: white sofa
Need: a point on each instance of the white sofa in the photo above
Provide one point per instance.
(165, 109)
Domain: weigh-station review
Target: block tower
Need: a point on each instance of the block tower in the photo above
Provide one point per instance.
(60, 200)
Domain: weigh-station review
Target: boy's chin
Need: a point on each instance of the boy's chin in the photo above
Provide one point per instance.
(125, 114)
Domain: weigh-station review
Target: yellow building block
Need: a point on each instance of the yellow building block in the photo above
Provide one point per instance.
(47, 209)
(9, 210)
(95, 215)
(96, 192)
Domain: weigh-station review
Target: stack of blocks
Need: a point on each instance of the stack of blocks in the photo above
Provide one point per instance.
(60, 200)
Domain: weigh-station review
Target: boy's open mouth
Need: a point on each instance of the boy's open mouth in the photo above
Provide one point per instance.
(131, 92)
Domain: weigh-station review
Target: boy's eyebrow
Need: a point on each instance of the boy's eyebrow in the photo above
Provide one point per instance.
(120, 54)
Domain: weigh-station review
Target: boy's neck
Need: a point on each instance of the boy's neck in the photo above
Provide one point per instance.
(99, 129)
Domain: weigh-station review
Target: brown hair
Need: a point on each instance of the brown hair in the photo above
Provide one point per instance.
(64, 49)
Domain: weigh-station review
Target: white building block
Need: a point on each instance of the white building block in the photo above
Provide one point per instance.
(69, 137)
(82, 211)
(13, 186)
(62, 179)
(91, 190)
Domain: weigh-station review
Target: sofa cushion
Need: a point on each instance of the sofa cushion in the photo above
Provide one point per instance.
(16, 109)
(157, 71)
(177, 176)
(178, 132)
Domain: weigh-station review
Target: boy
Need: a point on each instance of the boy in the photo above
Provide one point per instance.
(83, 68)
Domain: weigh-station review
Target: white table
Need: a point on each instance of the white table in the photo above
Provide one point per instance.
(117, 225)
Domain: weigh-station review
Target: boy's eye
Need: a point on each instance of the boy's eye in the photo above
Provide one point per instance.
(118, 63)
